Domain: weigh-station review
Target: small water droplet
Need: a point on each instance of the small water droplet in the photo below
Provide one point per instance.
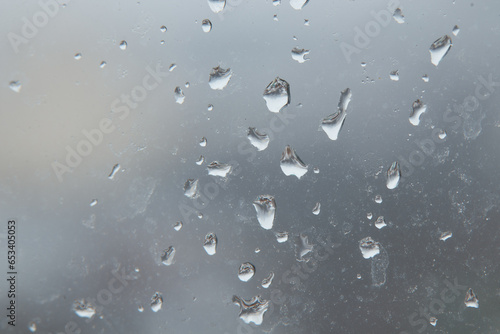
(442, 134)
(317, 209)
(433, 321)
(210, 243)
(455, 30)
(378, 199)
(425, 77)
(172, 67)
(417, 109)
(316, 170)
(179, 95)
(251, 310)
(471, 299)
(332, 124)
(78, 56)
(300, 55)
(187, 84)
(178, 226)
(394, 75)
(246, 271)
(93, 203)
(307, 23)
(206, 25)
(140, 308)
(369, 215)
(168, 255)
(298, 4)
(210, 107)
(257, 139)
(216, 168)
(200, 160)
(291, 164)
(203, 142)
(219, 78)
(32, 326)
(294, 38)
(257, 250)
(358, 276)
(303, 247)
(266, 282)
(83, 309)
(380, 222)
(103, 64)
(15, 86)
(265, 206)
(398, 16)
(200, 215)
(191, 188)
(363, 64)
(276, 2)
(445, 235)
(275, 17)
(156, 302)
(439, 49)
(123, 45)
(368, 247)
(277, 95)
(163, 29)
(217, 6)
(115, 170)
(162, 42)
(393, 175)
(282, 237)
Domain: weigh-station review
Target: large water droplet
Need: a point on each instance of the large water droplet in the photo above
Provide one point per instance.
(393, 175)
(277, 95)
(368, 247)
(300, 55)
(246, 271)
(380, 222)
(191, 188)
(206, 25)
(219, 169)
(303, 247)
(265, 206)
(266, 282)
(251, 310)
(83, 309)
(417, 109)
(439, 49)
(123, 45)
(168, 255)
(471, 299)
(257, 139)
(334, 122)
(298, 4)
(179, 95)
(398, 16)
(291, 164)
(15, 86)
(282, 237)
(156, 302)
(217, 6)
(210, 243)
(317, 209)
(219, 78)
(455, 30)
(445, 235)
(394, 75)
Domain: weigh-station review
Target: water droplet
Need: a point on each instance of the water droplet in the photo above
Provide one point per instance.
(257, 139)
(163, 29)
(378, 199)
(210, 243)
(156, 302)
(162, 42)
(317, 209)
(368, 247)
(282, 237)
(433, 321)
(442, 134)
(191, 188)
(294, 38)
(200, 215)
(363, 64)
(78, 56)
(32, 326)
(265, 206)
(300, 55)
(275, 17)
(266, 282)
(168, 255)
(334, 122)
(140, 308)
(298, 4)
(417, 109)
(393, 175)
(15, 86)
(219, 78)
(303, 247)
(316, 170)
(246, 271)
(172, 67)
(439, 49)
(380, 222)
(277, 95)
(123, 45)
(83, 309)
(103, 64)
(455, 30)
(445, 235)
(115, 170)
(398, 16)
(218, 169)
(257, 250)
(200, 160)
(251, 310)
(217, 5)
(179, 95)
(394, 75)
(471, 299)
(210, 107)
(425, 77)
(307, 23)
(178, 226)
(291, 164)
(276, 2)
(187, 84)
(369, 215)
(203, 142)
(206, 25)
(93, 203)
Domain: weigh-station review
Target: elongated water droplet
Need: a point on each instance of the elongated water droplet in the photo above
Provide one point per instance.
(298, 4)
(368, 247)
(257, 139)
(417, 109)
(445, 235)
(439, 49)
(179, 95)
(217, 6)
(200, 160)
(378, 199)
(246, 271)
(15, 86)
(115, 170)
(265, 206)
(455, 30)
(156, 302)
(282, 237)
(251, 310)
(266, 282)
(178, 226)
(219, 78)
(317, 209)
(172, 67)
(393, 175)
(210, 243)
(471, 299)
(380, 222)
(277, 95)
(83, 309)
(203, 142)
(206, 25)
(345, 98)
(168, 255)
(291, 164)
(300, 55)
(398, 16)
(303, 247)
(334, 122)
(123, 45)
(94, 202)
(219, 169)
(191, 188)
(394, 75)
